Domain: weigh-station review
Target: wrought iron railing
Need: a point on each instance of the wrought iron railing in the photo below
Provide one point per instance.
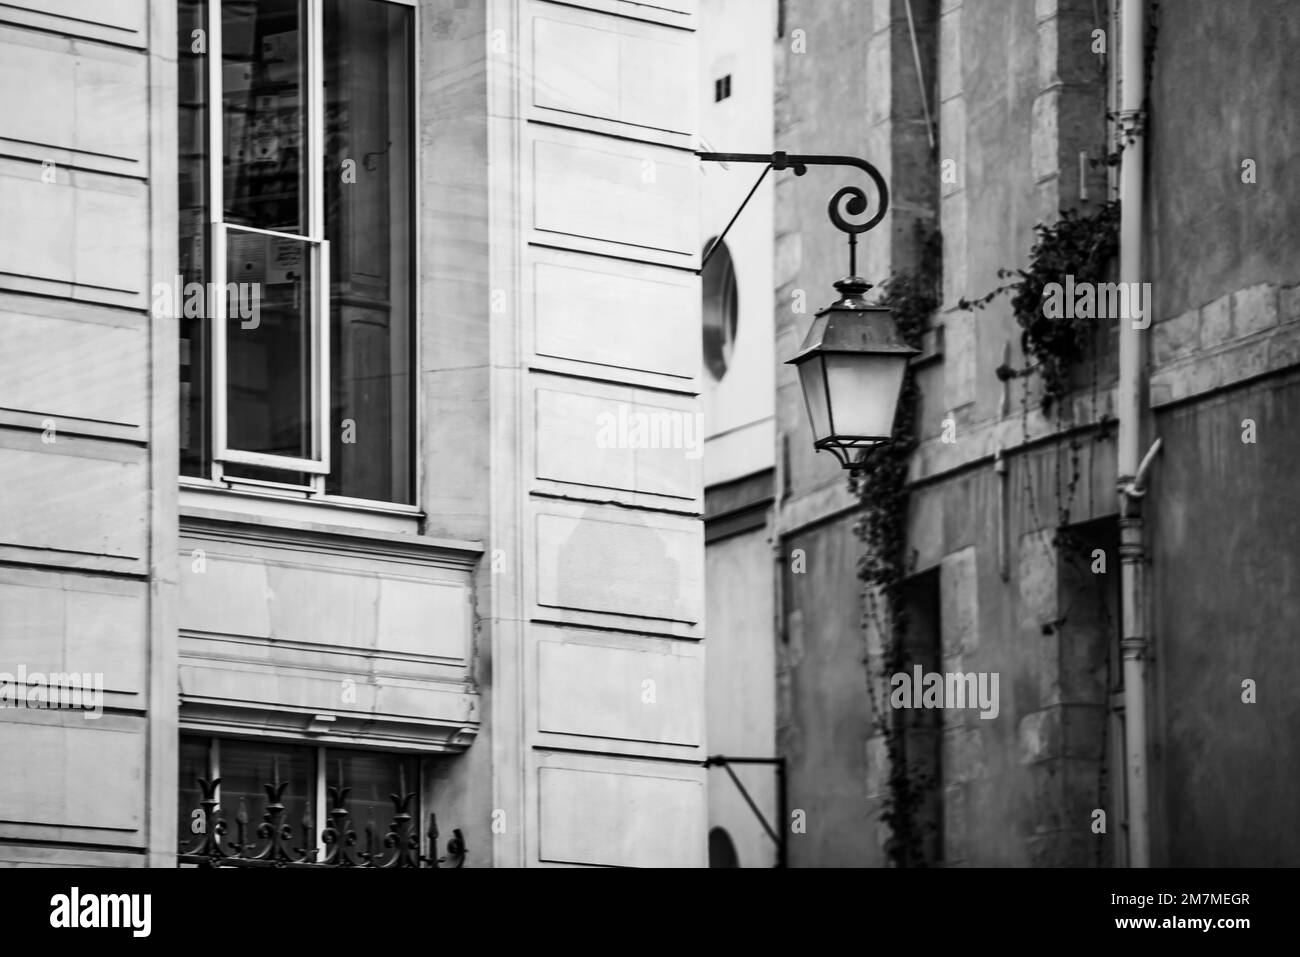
(272, 842)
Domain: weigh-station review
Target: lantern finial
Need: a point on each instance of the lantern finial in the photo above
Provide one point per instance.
(852, 290)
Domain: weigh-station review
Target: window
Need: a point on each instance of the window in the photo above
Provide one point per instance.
(722, 852)
(722, 88)
(720, 309)
(296, 245)
(245, 767)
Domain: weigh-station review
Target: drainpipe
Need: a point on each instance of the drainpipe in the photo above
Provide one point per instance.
(1132, 549)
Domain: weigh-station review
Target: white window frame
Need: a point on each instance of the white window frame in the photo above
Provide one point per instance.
(313, 236)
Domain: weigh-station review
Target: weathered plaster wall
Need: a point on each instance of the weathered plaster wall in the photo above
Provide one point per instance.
(1223, 91)
(1224, 512)
(1225, 522)
(824, 714)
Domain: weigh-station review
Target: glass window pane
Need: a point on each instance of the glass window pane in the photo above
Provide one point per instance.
(192, 106)
(269, 344)
(262, 473)
(372, 776)
(193, 765)
(246, 767)
(264, 62)
(718, 284)
(369, 203)
(812, 376)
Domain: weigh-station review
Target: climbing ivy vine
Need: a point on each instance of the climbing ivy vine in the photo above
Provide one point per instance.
(1077, 248)
(882, 491)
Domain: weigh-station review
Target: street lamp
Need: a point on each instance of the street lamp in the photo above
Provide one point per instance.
(853, 360)
(851, 368)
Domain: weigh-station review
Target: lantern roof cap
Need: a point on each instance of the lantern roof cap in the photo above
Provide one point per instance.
(851, 324)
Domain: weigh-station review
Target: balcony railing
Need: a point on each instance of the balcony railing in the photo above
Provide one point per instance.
(272, 841)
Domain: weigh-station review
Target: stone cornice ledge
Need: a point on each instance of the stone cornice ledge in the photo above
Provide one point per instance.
(979, 444)
(1234, 363)
(435, 735)
(818, 505)
(220, 525)
(975, 445)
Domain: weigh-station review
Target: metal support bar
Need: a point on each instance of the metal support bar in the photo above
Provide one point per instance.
(852, 198)
(752, 806)
(723, 235)
(781, 837)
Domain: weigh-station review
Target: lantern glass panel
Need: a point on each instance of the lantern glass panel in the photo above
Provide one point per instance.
(864, 391)
(812, 376)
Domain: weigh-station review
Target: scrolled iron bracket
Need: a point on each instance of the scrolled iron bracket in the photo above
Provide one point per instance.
(847, 201)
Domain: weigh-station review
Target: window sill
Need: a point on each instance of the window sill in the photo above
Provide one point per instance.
(242, 505)
(230, 525)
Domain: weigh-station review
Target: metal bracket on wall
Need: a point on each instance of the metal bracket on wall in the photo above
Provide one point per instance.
(782, 841)
(852, 198)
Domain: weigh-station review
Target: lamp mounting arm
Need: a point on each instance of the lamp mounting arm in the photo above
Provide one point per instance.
(850, 200)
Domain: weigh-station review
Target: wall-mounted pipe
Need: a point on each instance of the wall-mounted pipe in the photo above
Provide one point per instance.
(1134, 644)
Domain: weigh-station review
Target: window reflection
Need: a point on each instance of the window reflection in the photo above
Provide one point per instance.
(373, 777)
(262, 82)
(369, 202)
(268, 344)
(247, 766)
(192, 186)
